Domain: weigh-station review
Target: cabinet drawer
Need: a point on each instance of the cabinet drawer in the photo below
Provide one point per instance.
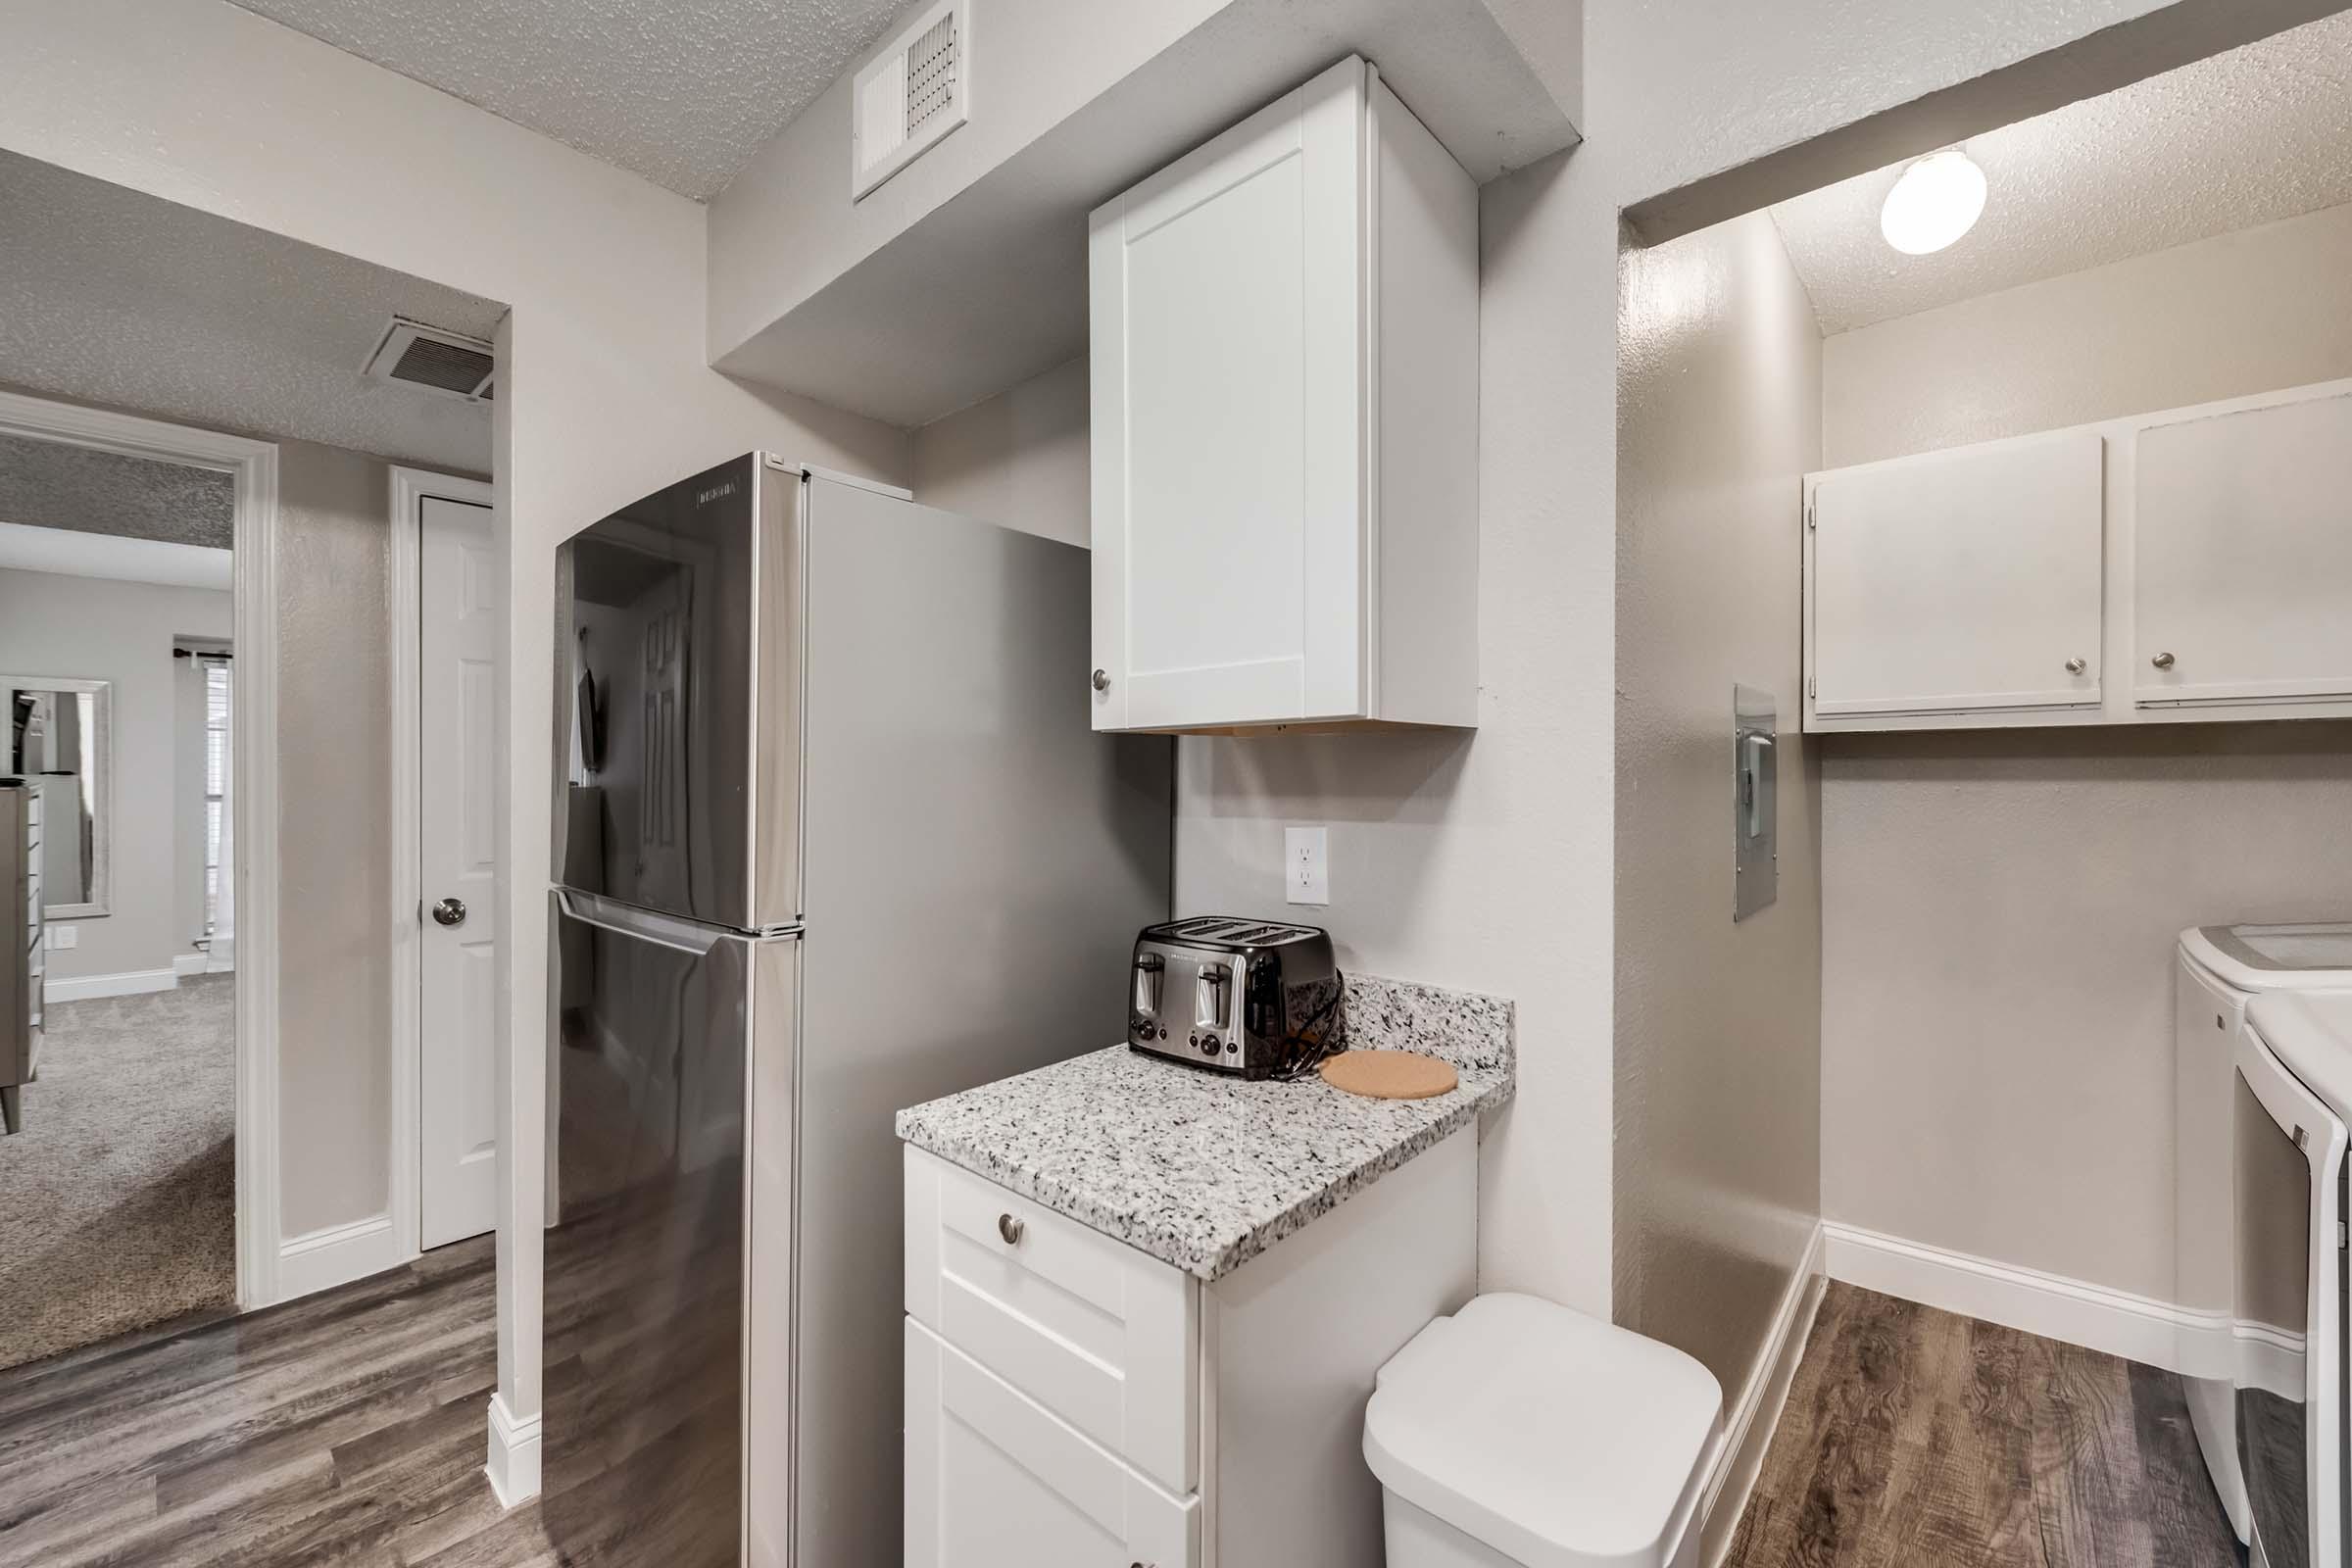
(1094, 1331)
(994, 1480)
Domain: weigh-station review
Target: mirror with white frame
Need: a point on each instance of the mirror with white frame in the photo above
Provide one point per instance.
(58, 740)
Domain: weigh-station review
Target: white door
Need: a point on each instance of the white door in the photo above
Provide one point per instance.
(461, 596)
(1226, 296)
(1958, 580)
(994, 1481)
(2244, 554)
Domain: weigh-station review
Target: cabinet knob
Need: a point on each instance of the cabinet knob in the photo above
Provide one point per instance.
(2162, 661)
(1010, 1229)
(1101, 680)
(2075, 667)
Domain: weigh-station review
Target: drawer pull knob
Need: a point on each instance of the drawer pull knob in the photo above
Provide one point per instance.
(1010, 1229)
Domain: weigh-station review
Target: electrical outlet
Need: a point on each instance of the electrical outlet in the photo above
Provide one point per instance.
(1307, 864)
(62, 937)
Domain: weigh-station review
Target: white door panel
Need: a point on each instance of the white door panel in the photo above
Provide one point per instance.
(1229, 539)
(461, 599)
(2244, 567)
(1960, 580)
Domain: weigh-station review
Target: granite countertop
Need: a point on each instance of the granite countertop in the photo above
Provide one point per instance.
(1205, 1171)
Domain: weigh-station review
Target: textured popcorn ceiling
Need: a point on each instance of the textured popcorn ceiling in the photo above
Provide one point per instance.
(112, 296)
(50, 484)
(2247, 137)
(682, 95)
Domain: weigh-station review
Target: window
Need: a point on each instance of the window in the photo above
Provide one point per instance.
(216, 785)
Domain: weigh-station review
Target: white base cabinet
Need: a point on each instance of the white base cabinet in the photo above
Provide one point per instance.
(2190, 564)
(1073, 1402)
(1283, 371)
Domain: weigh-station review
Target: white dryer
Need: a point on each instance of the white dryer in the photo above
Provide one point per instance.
(2293, 1095)
(2221, 970)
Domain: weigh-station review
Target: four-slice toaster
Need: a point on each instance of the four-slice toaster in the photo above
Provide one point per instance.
(1258, 998)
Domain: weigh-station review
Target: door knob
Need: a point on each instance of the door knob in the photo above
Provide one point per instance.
(2162, 661)
(450, 912)
(2075, 667)
(1101, 680)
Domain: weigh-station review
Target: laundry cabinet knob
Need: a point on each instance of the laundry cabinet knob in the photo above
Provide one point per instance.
(1010, 1229)
(2075, 667)
(1101, 680)
(2162, 661)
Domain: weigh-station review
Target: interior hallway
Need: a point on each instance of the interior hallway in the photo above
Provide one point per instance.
(120, 1195)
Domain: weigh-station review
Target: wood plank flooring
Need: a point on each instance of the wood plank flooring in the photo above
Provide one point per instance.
(347, 1428)
(1915, 1438)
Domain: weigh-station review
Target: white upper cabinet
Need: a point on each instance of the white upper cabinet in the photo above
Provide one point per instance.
(2244, 569)
(1285, 426)
(2179, 566)
(1960, 581)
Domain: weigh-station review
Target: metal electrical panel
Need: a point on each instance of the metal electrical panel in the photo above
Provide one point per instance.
(1755, 801)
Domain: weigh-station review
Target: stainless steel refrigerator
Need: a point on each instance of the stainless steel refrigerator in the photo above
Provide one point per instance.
(834, 836)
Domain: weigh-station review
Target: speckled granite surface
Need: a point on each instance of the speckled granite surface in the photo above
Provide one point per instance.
(1206, 1171)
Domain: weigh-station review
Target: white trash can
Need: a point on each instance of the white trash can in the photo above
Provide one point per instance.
(1519, 1434)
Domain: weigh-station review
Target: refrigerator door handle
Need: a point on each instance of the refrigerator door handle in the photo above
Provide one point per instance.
(641, 925)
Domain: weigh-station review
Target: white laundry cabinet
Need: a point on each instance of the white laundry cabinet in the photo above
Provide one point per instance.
(2189, 564)
(1285, 426)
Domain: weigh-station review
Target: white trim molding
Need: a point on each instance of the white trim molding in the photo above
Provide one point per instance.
(1738, 1458)
(252, 468)
(129, 983)
(323, 1260)
(187, 965)
(410, 488)
(2097, 1317)
(513, 1466)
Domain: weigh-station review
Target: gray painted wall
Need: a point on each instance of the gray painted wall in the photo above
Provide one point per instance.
(334, 790)
(1018, 460)
(1999, 908)
(1717, 1180)
(89, 628)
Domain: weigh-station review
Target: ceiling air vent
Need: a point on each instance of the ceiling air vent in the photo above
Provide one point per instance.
(430, 360)
(913, 93)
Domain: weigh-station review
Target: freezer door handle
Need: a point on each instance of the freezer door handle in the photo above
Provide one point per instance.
(641, 925)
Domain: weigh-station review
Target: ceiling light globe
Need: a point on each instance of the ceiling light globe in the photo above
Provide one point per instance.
(1935, 202)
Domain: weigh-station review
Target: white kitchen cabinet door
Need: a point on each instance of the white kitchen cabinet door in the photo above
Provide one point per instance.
(1279, 319)
(1958, 581)
(2243, 564)
(994, 1481)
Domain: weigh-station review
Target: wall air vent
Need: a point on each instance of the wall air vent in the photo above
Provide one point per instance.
(449, 364)
(912, 93)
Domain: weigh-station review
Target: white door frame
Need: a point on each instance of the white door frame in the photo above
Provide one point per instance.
(252, 468)
(410, 486)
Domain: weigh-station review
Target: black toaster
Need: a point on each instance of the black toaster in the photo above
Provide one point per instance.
(1258, 998)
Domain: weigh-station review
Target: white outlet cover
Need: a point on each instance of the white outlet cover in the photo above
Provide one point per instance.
(62, 937)
(1307, 864)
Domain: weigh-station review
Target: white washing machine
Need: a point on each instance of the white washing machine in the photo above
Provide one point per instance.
(2293, 1095)
(2221, 970)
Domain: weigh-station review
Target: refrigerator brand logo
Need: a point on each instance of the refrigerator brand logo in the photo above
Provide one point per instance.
(702, 498)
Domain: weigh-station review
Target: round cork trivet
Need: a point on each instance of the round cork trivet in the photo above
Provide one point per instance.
(1389, 1075)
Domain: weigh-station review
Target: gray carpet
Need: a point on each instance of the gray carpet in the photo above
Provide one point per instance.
(117, 1200)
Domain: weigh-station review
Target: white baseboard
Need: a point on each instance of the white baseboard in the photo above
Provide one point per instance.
(130, 983)
(2097, 1317)
(187, 965)
(513, 1467)
(1738, 1456)
(339, 1254)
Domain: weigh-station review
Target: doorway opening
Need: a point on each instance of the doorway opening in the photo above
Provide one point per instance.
(202, 602)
